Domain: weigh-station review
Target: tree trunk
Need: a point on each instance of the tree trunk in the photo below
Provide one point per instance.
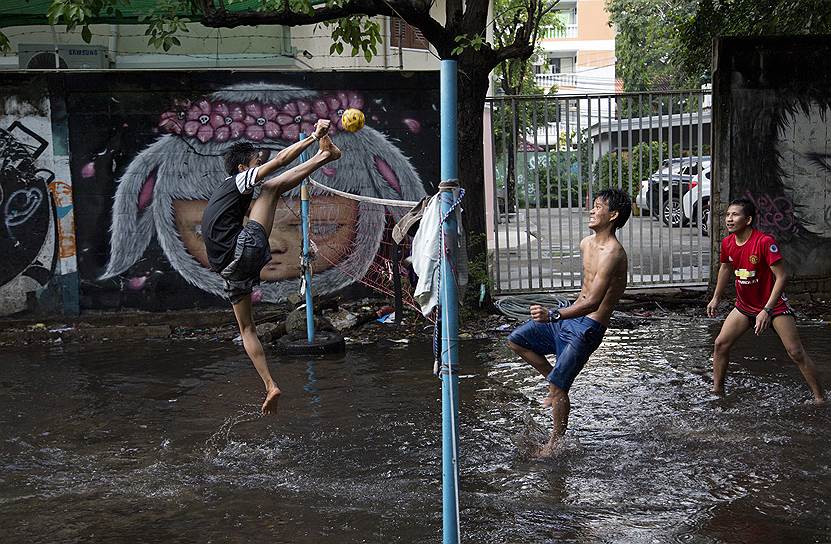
(472, 89)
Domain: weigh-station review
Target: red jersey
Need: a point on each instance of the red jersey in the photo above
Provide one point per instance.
(751, 264)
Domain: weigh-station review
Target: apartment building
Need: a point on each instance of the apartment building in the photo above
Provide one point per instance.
(579, 55)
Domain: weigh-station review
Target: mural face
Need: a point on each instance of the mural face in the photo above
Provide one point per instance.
(27, 214)
(804, 159)
(776, 142)
(160, 188)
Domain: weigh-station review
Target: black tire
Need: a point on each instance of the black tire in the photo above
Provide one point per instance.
(325, 342)
(705, 219)
(671, 212)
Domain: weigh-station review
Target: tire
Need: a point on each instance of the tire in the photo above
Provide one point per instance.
(671, 212)
(705, 219)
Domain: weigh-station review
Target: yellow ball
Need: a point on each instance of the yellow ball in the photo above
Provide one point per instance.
(353, 120)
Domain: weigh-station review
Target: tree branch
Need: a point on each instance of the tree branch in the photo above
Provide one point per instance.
(415, 13)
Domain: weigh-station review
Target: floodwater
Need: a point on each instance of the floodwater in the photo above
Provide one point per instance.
(160, 442)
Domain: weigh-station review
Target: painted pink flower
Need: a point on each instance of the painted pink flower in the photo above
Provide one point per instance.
(296, 117)
(235, 120)
(260, 122)
(174, 121)
(332, 107)
(199, 121)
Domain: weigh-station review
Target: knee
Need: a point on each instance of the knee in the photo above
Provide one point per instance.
(519, 350)
(797, 354)
(247, 329)
(722, 345)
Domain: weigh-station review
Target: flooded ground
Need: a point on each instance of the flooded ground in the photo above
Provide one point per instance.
(160, 442)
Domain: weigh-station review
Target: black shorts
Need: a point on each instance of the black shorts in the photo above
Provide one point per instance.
(251, 254)
(752, 317)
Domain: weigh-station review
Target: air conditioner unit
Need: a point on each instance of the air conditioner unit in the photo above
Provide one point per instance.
(70, 57)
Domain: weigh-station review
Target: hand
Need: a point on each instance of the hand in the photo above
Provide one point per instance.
(539, 313)
(712, 307)
(321, 128)
(762, 322)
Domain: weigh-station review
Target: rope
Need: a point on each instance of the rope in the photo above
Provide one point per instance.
(443, 248)
(517, 306)
(359, 198)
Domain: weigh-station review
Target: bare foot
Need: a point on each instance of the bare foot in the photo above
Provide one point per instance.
(270, 403)
(550, 449)
(819, 401)
(548, 401)
(328, 148)
(717, 391)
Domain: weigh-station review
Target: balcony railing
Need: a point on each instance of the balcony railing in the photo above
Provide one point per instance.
(550, 32)
(549, 80)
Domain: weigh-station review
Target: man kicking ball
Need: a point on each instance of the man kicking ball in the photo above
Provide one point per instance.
(573, 333)
(754, 259)
(239, 251)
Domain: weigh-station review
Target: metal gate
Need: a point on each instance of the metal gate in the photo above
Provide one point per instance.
(550, 154)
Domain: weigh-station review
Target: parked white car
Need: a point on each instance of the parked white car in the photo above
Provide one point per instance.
(644, 198)
(698, 195)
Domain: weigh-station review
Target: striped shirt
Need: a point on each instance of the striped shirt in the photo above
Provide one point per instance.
(222, 219)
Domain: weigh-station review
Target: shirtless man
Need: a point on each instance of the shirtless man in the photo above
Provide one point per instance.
(574, 332)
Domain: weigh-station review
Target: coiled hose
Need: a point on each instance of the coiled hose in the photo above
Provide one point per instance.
(516, 306)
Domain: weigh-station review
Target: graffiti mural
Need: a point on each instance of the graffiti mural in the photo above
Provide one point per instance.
(157, 157)
(27, 213)
(775, 96)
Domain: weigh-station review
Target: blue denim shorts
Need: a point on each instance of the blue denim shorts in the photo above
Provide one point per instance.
(250, 256)
(571, 340)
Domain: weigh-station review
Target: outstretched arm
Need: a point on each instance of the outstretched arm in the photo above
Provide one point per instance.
(287, 155)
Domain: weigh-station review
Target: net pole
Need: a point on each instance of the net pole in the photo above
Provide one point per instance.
(449, 306)
(396, 283)
(307, 269)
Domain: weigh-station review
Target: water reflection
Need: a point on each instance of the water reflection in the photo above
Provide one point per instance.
(160, 441)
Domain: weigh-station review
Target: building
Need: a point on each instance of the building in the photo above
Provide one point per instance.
(579, 56)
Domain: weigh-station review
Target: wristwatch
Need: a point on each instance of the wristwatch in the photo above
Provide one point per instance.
(553, 315)
(769, 311)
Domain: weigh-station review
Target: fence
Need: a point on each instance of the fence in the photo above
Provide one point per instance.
(551, 154)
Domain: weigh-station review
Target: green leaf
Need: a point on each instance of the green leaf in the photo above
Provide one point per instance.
(86, 34)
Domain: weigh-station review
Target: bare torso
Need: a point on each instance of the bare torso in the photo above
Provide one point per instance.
(597, 252)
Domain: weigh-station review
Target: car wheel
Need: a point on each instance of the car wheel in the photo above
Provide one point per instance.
(671, 212)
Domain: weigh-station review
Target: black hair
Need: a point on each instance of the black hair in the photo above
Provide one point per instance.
(618, 201)
(748, 207)
(240, 153)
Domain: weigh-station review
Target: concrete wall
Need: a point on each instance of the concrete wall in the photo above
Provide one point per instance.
(772, 143)
(105, 176)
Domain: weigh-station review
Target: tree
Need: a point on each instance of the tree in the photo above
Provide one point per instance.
(696, 30)
(646, 42)
(461, 37)
(515, 77)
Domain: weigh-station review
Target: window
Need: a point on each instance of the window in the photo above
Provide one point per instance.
(407, 36)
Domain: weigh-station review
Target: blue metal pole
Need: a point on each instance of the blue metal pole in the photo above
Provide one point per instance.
(449, 310)
(304, 226)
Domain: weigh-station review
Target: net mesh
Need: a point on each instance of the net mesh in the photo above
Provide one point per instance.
(351, 241)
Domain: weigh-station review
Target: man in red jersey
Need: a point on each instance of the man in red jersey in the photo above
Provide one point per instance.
(754, 259)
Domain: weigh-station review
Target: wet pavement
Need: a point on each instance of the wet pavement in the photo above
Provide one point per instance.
(160, 441)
